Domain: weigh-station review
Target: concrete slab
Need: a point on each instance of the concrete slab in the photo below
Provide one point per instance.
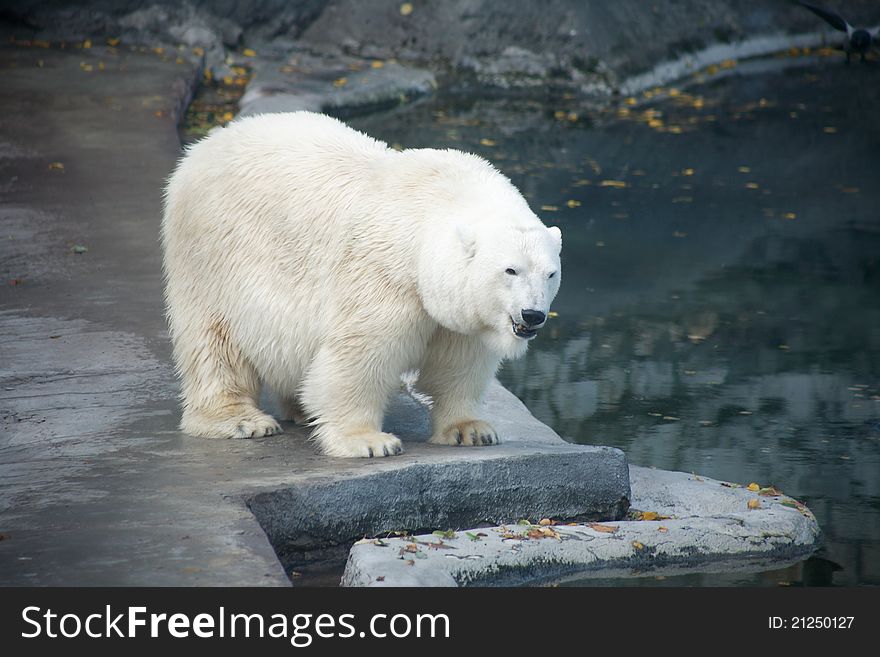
(97, 486)
(709, 527)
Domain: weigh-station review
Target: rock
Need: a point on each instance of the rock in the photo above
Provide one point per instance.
(710, 528)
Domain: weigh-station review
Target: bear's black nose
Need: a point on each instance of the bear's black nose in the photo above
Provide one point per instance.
(533, 317)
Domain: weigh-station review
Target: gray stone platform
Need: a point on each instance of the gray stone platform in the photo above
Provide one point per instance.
(703, 525)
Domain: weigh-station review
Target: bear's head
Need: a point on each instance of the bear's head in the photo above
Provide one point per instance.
(496, 279)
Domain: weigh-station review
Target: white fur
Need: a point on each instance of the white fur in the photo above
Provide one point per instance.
(302, 254)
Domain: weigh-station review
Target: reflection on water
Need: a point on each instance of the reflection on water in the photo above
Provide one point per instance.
(720, 305)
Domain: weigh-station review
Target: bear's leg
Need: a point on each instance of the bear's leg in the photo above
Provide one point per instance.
(347, 388)
(219, 387)
(456, 371)
(292, 410)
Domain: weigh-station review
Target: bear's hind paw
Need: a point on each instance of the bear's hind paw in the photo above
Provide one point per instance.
(473, 433)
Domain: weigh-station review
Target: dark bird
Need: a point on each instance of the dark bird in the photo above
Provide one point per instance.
(858, 39)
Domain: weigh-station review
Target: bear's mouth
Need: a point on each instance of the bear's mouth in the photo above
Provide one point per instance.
(522, 331)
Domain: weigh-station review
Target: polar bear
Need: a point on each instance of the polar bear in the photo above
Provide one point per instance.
(306, 256)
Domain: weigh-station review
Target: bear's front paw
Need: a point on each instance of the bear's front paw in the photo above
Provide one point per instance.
(366, 444)
(469, 432)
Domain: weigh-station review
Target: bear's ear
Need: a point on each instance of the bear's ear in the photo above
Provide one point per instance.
(556, 234)
(468, 240)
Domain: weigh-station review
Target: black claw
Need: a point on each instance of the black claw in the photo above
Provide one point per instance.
(385, 451)
(458, 437)
(398, 449)
(370, 451)
(486, 440)
(474, 437)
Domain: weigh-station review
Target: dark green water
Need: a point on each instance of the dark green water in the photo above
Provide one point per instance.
(720, 313)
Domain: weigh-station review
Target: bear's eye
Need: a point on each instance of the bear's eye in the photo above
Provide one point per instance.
(552, 274)
(511, 271)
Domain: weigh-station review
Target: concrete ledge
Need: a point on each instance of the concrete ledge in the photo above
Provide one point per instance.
(532, 474)
(710, 528)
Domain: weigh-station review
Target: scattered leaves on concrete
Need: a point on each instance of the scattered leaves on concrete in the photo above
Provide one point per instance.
(605, 529)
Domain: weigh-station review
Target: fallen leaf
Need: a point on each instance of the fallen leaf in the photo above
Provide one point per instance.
(79, 249)
(340, 82)
(753, 487)
(687, 172)
(406, 9)
(829, 129)
(754, 503)
(744, 169)
(663, 529)
(545, 522)
(649, 515)
(377, 63)
(572, 203)
(475, 537)
(113, 42)
(549, 208)
(605, 529)
(637, 545)
(613, 183)
(487, 142)
(770, 491)
(58, 166)
(87, 43)
(409, 562)
(380, 578)
(449, 533)
(552, 314)
(789, 215)
(249, 52)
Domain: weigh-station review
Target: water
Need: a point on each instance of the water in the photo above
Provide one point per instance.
(720, 303)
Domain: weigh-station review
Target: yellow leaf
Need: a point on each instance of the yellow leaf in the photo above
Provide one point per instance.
(572, 203)
(829, 129)
(406, 9)
(662, 529)
(113, 42)
(549, 208)
(752, 185)
(487, 142)
(604, 529)
(198, 51)
(637, 545)
(377, 63)
(630, 101)
(545, 521)
(613, 183)
(552, 314)
(159, 50)
(744, 169)
(649, 515)
(754, 503)
(208, 75)
(227, 80)
(249, 52)
(56, 165)
(687, 172)
(87, 43)
(340, 82)
(753, 487)
(789, 215)
(228, 116)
